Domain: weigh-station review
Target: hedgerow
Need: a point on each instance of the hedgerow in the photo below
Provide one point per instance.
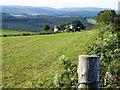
(107, 48)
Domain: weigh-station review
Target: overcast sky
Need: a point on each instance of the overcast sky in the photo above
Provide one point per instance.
(113, 4)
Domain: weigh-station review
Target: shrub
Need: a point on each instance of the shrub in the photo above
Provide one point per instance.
(108, 49)
(67, 78)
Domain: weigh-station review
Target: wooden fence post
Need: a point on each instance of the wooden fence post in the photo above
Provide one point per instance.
(88, 72)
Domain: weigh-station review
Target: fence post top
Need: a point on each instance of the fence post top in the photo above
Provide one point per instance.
(82, 56)
(88, 71)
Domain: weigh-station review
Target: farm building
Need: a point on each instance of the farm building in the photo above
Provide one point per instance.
(71, 27)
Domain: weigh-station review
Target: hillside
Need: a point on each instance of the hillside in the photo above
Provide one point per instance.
(83, 9)
(34, 22)
(68, 11)
(33, 61)
(9, 32)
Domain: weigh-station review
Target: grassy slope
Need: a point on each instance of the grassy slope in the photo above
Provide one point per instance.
(29, 61)
(7, 32)
(92, 21)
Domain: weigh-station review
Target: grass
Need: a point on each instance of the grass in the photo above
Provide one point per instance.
(11, 32)
(93, 21)
(32, 61)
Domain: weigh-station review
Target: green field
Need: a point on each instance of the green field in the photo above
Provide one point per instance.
(32, 61)
(92, 21)
(11, 32)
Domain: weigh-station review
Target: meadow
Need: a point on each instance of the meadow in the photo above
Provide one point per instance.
(92, 21)
(33, 61)
(13, 33)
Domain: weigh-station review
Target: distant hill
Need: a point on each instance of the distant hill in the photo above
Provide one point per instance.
(26, 10)
(34, 22)
(72, 11)
(83, 9)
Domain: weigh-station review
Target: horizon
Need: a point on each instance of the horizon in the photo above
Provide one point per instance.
(53, 7)
(111, 4)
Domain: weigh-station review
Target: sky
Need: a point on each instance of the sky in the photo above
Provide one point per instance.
(112, 4)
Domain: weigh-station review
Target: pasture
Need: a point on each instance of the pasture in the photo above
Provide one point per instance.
(32, 61)
(92, 21)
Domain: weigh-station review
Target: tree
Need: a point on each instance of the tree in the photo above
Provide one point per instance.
(45, 26)
(108, 50)
(117, 21)
(78, 24)
(106, 16)
(63, 24)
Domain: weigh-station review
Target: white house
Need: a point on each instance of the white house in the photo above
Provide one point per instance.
(56, 29)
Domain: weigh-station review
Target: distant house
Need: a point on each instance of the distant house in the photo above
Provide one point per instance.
(71, 27)
(74, 27)
(56, 29)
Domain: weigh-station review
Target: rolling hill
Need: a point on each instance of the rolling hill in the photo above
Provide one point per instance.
(72, 11)
(82, 9)
(34, 22)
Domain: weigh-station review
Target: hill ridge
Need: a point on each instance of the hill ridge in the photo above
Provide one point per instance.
(44, 10)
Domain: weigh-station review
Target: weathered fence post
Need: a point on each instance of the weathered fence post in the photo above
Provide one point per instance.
(88, 72)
